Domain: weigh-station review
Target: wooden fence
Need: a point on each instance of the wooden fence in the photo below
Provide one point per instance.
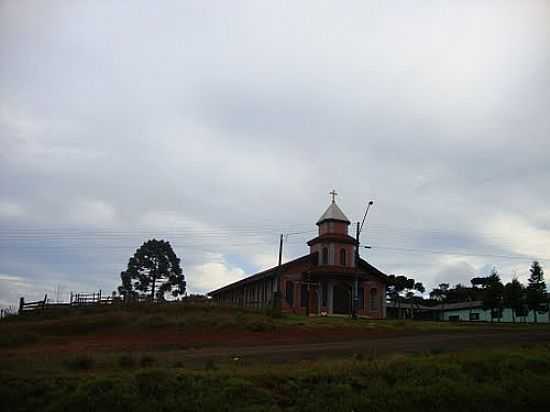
(5, 312)
(91, 298)
(30, 306)
(76, 299)
(95, 298)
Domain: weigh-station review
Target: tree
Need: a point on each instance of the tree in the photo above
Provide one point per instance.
(536, 289)
(396, 285)
(440, 294)
(461, 293)
(494, 292)
(410, 292)
(153, 271)
(513, 297)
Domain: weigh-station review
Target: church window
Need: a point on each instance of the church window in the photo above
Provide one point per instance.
(290, 293)
(315, 260)
(373, 298)
(325, 256)
(303, 295)
(343, 257)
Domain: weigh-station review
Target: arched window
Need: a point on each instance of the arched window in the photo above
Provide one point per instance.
(325, 256)
(373, 299)
(289, 293)
(343, 257)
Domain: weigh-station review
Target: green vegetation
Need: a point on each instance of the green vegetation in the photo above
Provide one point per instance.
(164, 378)
(536, 290)
(153, 272)
(503, 380)
(495, 295)
(33, 327)
(62, 325)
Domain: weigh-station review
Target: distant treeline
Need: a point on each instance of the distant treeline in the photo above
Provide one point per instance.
(490, 290)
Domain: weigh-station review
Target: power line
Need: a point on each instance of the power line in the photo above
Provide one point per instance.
(440, 252)
(23, 238)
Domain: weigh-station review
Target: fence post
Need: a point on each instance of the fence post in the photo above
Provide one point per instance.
(44, 302)
(21, 304)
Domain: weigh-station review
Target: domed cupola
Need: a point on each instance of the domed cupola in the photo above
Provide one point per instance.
(335, 216)
(333, 245)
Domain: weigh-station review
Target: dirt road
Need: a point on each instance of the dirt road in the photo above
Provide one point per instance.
(423, 343)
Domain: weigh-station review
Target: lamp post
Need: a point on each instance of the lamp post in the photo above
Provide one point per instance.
(356, 281)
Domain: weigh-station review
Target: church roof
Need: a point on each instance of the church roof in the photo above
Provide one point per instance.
(333, 213)
(304, 264)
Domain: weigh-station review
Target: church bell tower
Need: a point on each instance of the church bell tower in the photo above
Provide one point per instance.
(333, 245)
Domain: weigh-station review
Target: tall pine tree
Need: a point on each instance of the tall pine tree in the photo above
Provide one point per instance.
(494, 294)
(513, 297)
(153, 271)
(536, 290)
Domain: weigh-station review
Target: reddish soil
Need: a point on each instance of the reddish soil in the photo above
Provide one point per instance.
(281, 344)
(179, 340)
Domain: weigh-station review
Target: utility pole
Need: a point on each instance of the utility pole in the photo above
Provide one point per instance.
(281, 249)
(278, 296)
(356, 281)
(359, 228)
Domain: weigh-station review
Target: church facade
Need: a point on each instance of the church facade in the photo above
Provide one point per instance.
(328, 280)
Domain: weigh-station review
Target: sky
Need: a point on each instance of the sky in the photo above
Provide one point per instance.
(219, 125)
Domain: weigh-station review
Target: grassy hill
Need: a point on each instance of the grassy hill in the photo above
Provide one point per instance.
(141, 358)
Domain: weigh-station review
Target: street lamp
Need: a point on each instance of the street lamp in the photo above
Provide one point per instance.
(356, 282)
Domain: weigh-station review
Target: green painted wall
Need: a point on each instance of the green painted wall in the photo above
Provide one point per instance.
(485, 316)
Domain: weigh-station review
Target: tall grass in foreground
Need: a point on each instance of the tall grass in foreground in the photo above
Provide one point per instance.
(514, 380)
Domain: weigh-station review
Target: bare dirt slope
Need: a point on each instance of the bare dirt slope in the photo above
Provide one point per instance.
(290, 343)
(371, 346)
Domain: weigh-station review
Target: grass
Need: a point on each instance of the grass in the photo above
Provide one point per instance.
(496, 380)
(512, 379)
(42, 327)
(14, 331)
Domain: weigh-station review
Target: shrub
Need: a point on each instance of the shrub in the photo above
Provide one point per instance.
(154, 322)
(147, 361)
(260, 326)
(11, 339)
(155, 383)
(81, 362)
(210, 365)
(126, 361)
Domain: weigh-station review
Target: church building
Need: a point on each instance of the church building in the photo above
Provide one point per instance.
(326, 281)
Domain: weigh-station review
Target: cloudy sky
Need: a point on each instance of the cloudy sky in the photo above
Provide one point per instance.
(219, 125)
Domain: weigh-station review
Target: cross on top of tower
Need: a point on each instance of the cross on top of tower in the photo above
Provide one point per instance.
(333, 194)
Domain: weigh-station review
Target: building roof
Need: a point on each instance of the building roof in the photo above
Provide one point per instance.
(371, 270)
(459, 305)
(335, 237)
(309, 259)
(440, 307)
(407, 305)
(333, 213)
(264, 274)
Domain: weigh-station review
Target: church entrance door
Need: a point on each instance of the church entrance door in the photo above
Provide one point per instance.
(341, 299)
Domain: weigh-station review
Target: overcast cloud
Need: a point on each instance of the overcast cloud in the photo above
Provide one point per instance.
(219, 125)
